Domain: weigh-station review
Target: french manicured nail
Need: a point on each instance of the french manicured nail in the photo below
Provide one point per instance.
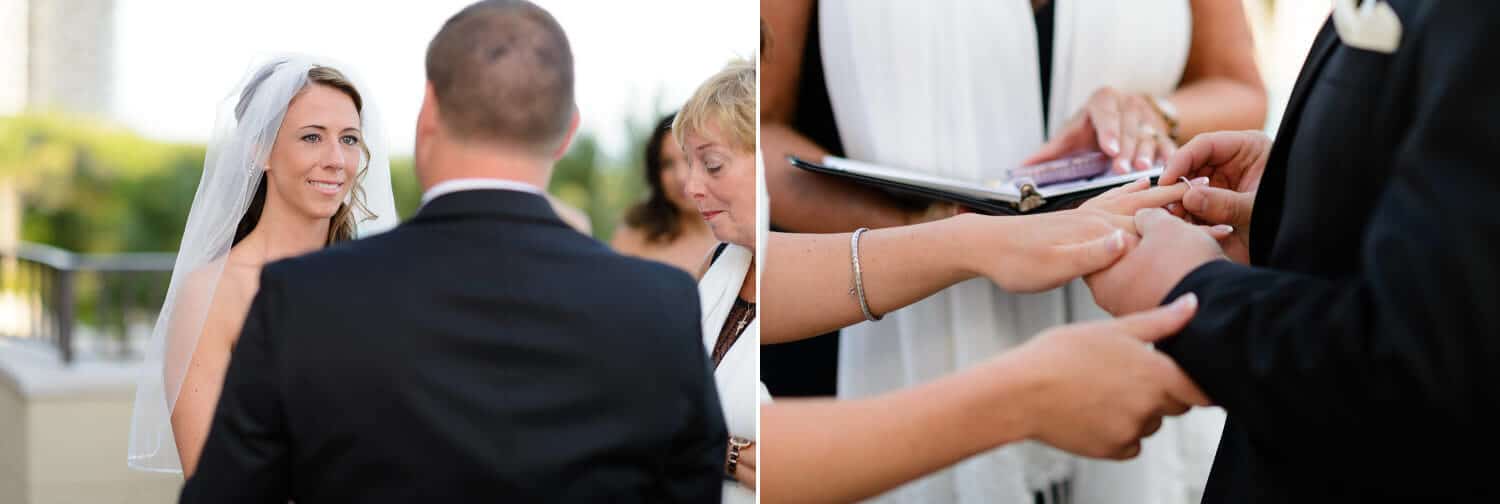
(1185, 302)
(1113, 147)
(1118, 243)
(1200, 181)
(1123, 165)
(1224, 228)
(1172, 207)
(1144, 162)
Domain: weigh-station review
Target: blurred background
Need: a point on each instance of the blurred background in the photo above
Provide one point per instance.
(105, 106)
(104, 109)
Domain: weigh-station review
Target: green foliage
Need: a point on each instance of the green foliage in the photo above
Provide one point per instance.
(88, 187)
(92, 188)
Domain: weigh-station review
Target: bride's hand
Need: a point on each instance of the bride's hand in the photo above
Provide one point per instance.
(1100, 388)
(744, 471)
(1124, 126)
(1127, 199)
(1034, 253)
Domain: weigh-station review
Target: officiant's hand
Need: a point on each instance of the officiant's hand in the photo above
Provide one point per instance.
(1101, 388)
(1124, 126)
(1168, 250)
(744, 470)
(1226, 168)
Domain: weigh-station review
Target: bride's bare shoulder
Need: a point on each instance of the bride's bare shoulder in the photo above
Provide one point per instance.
(217, 294)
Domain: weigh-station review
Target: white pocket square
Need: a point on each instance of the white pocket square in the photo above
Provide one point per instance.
(1372, 26)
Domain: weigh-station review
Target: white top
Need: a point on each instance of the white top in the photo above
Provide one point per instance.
(738, 376)
(469, 184)
(953, 89)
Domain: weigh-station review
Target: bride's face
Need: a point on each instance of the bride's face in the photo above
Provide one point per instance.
(315, 159)
(721, 183)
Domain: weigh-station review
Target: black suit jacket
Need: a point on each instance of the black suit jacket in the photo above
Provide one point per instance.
(482, 352)
(1359, 358)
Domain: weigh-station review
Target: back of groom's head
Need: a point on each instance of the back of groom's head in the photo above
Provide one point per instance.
(502, 73)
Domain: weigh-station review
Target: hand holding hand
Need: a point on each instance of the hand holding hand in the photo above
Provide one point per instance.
(1130, 198)
(1226, 167)
(1034, 253)
(1169, 249)
(1101, 388)
(1233, 160)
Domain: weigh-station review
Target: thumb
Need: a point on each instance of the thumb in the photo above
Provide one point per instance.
(1147, 219)
(1215, 205)
(1099, 253)
(1156, 324)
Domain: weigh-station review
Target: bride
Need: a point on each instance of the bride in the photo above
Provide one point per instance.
(297, 162)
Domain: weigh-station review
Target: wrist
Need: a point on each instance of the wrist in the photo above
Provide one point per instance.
(1167, 112)
(1013, 398)
(973, 239)
(737, 445)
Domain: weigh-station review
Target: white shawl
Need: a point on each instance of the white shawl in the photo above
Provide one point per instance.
(952, 87)
(738, 375)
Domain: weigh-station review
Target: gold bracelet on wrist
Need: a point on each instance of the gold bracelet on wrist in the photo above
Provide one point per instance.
(1168, 113)
(732, 463)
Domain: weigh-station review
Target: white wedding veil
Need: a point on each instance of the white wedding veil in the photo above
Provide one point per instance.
(244, 131)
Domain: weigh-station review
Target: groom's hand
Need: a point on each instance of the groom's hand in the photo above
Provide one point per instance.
(1226, 168)
(1233, 160)
(1101, 387)
(1226, 210)
(1168, 250)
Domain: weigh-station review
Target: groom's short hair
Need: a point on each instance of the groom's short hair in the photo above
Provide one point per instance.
(502, 72)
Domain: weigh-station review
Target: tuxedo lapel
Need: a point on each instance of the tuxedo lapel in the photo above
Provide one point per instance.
(1268, 199)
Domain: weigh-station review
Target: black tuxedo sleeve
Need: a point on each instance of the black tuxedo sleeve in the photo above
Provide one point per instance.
(245, 458)
(1409, 338)
(695, 467)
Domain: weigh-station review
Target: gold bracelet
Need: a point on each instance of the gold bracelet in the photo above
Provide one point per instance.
(736, 443)
(1168, 113)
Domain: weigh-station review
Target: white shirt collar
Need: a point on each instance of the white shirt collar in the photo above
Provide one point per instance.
(469, 184)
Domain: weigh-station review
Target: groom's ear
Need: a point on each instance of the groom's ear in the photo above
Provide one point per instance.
(427, 116)
(567, 139)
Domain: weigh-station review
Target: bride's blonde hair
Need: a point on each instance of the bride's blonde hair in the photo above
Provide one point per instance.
(342, 225)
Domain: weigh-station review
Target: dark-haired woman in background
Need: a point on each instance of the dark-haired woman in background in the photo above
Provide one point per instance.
(666, 227)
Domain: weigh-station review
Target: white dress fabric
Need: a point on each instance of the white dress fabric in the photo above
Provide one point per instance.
(953, 88)
(738, 375)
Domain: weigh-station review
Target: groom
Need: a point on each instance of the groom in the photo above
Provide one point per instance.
(1353, 334)
(482, 351)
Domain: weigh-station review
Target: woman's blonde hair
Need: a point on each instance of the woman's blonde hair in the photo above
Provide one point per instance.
(727, 99)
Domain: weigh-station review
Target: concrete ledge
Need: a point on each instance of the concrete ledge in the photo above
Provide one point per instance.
(64, 431)
(36, 372)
